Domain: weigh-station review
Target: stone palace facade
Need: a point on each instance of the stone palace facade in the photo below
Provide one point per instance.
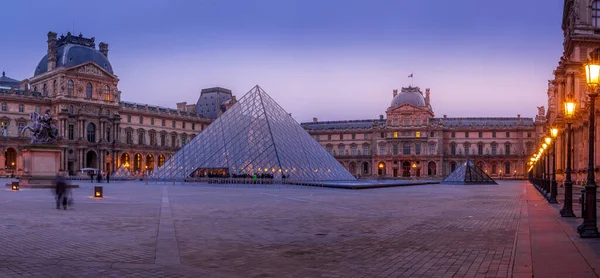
(96, 129)
(410, 142)
(581, 29)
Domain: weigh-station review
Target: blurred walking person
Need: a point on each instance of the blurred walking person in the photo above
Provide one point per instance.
(60, 192)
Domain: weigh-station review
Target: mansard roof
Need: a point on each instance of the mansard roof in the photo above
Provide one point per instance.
(352, 124)
(483, 121)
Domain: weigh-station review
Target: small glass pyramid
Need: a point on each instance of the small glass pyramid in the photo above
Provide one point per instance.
(254, 137)
(468, 173)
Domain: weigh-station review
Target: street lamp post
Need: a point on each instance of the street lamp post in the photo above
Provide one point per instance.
(589, 228)
(567, 210)
(553, 187)
(548, 140)
(546, 166)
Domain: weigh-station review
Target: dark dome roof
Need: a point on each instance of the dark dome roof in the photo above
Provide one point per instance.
(69, 55)
(410, 95)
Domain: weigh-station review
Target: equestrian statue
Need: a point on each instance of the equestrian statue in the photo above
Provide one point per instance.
(42, 130)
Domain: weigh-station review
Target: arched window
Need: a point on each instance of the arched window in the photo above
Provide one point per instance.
(91, 132)
(70, 86)
(596, 14)
(88, 90)
(106, 93)
(45, 90)
(54, 87)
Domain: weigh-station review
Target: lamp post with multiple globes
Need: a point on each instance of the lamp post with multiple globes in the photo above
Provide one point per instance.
(567, 210)
(589, 229)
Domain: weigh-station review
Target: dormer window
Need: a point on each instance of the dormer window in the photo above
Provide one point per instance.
(596, 14)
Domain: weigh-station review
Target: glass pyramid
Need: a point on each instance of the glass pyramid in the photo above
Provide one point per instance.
(254, 137)
(468, 173)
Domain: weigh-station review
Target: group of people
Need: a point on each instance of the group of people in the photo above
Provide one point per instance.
(99, 177)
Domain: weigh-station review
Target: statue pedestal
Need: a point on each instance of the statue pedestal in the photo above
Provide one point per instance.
(40, 166)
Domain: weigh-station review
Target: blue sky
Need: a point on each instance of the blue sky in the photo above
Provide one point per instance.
(335, 60)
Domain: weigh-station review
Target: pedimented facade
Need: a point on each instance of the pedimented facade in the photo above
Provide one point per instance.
(411, 142)
(96, 128)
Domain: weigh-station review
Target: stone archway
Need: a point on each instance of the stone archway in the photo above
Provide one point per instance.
(431, 169)
(125, 160)
(10, 159)
(365, 168)
(137, 162)
(150, 162)
(353, 168)
(406, 169)
(161, 160)
(91, 160)
(381, 168)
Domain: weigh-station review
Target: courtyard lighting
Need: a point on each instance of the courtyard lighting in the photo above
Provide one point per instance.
(15, 186)
(589, 229)
(567, 210)
(98, 192)
(553, 187)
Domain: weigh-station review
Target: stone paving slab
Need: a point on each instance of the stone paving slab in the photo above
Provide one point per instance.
(166, 230)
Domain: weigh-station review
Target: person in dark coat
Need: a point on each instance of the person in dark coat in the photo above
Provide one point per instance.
(107, 177)
(91, 177)
(61, 192)
(99, 177)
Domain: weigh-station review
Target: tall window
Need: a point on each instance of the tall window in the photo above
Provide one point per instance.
(183, 125)
(173, 140)
(88, 90)
(54, 87)
(432, 134)
(365, 149)
(507, 134)
(140, 137)
(129, 118)
(406, 121)
(395, 134)
(71, 132)
(108, 134)
(480, 149)
(173, 124)
(152, 121)
(21, 108)
(341, 149)
(432, 148)
(152, 139)
(4, 107)
(418, 148)
(183, 139)
(528, 134)
(106, 93)
(329, 149)
(193, 126)
(418, 134)
(141, 120)
(45, 90)
(381, 150)
(494, 147)
(341, 136)
(507, 168)
(70, 86)
(507, 149)
(596, 14)
(163, 122)
(91, 133)
(467, 147)
(480, 134)
(129, 138)
(452, 149)
(395, 149)
(353, 136)
(493, 134)
(466, 134)
(406, 148)
(353, 150)
(163, 139)
(453, 134)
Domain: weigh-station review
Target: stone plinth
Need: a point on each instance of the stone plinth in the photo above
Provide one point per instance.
(40, 166)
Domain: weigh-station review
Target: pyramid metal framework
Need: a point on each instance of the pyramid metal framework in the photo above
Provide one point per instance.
(255, 136)
(468, 173)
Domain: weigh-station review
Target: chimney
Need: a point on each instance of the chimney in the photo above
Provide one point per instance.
(181, 106)
(51, 51)
(380, 117)
(445, 116)
(315, 120)
(427, 97)
(103, 47)
(395, 92)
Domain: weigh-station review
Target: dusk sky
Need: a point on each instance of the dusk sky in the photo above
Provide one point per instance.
(335, 60)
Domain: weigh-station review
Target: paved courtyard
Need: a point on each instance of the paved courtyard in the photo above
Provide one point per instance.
(166, 230)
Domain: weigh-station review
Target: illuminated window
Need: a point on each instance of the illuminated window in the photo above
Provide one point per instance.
(106, 93)
(395, 134)
(418, 134)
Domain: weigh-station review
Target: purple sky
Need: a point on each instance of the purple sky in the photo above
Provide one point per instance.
(335, 60)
